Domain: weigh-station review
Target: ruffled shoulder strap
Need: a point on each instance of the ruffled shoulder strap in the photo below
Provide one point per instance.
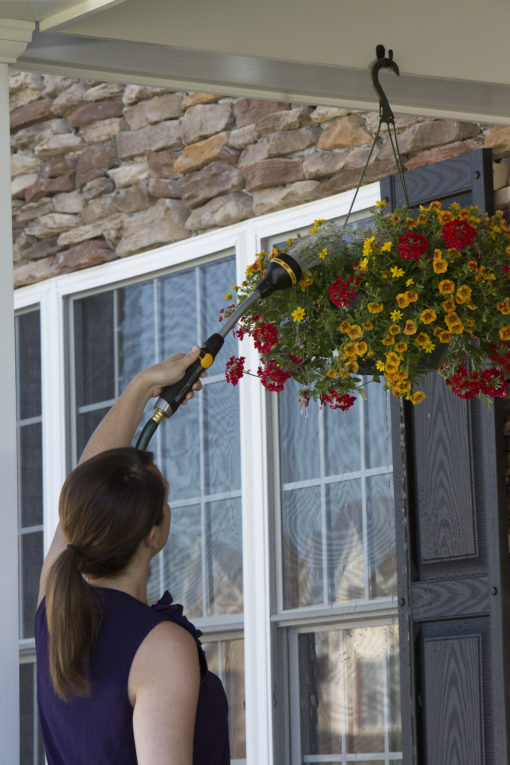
(174, 612)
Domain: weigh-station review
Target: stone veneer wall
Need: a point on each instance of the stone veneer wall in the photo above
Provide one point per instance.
(101, 171)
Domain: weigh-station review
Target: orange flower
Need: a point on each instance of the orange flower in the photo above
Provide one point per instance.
(361, 348)
(410, 328)
(417, 397)
(388, 340)
(402, 300)
(375, 307)
(444, 216)
(504, 333)
(411, 295)
(472, 265)
(394, 329)
(463, 294)
(428, 316)
(444, 336)
(401, 347)
(504, 306)
(449, 305)
(439, 265)
(446, 287)
(435, 205)
(454, 323)
(355, 332)
(367, 325)
(350, 350)
(344, 327)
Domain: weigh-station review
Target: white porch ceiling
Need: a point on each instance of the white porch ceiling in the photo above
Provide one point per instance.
(454, 57)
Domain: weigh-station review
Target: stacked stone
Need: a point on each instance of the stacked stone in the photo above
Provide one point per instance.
(101, 170)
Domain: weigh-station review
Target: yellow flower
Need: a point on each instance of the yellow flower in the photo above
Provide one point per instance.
(504, 306)
(368, 245)
(410, 328)
(396, 271)
(379, 365)
(316, 224)
(504, 333)
(409, 282)
(227, 296)
(449, 305)
(375, 307)
(463, 294)
(368, 325)
(386, 246)
(417, 397)
(344, 327)
(323, 253)
(299, 314)
(396, 315)
(306, 280)
(402, 300)
(381, 203)
(439, 265)
(446, 287)
(363, 266)
(355, 332)
(361, 348)
(444, 336)
(401, 347)
(428, 316)
(395, 329)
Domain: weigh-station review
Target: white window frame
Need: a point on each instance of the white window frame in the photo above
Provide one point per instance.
(245, 239)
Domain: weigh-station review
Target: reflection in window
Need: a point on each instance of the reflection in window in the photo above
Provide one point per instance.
(349, 695)
(226, 659)
(338, 541)
(116, 334)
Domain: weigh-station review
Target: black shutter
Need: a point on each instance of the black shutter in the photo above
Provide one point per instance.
(452, 542)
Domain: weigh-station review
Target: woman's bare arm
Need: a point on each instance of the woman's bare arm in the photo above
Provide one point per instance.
(118, 426)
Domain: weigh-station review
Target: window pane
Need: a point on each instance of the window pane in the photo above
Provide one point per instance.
(181, 451)
(377, 427)
(30, 489)
(86, 425)
(215, 279)
(28, 336)
(345, 541)
(31, 564)
(183, 559)
(31, 748)
(302, 548)
(299, 436)
(226, 659)
(348, 694)
(94, 349)
(135, 330)
(381, 536)
(178, 310)
(222, 449)
(224, 557)
(342, 437)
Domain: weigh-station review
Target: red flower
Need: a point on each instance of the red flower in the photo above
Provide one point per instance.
(465, 384)
(337, 402)
(234, 369)
(506, 268)
(273, 377)
(458, 234)
(412, 245)
(265, 337)
(340, 291)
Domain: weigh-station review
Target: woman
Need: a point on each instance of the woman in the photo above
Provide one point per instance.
(121, 683)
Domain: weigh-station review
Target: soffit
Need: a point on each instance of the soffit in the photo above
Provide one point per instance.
(453, 57)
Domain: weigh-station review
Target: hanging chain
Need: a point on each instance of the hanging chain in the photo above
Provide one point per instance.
(385, 115)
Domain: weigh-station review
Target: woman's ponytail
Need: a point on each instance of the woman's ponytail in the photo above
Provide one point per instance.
(73, 616)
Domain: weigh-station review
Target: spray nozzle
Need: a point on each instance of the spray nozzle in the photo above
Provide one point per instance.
(282, 272)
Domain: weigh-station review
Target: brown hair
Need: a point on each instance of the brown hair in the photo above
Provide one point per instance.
(108, 504)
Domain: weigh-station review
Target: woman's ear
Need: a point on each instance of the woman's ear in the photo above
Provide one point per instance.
(153, 539)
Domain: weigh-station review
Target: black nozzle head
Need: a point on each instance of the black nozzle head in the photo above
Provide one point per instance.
(282, 272)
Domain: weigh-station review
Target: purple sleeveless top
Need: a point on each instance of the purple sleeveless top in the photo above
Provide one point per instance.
(99, 729)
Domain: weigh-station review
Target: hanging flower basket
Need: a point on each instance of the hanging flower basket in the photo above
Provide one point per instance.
(408, 295)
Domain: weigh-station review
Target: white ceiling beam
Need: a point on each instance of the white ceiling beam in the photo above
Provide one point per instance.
(14, 38)
(236, 75)
(76, 12)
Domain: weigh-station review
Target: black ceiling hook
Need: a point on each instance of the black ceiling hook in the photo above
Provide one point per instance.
(383, 62)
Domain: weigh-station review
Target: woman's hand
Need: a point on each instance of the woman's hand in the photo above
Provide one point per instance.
(169, 372)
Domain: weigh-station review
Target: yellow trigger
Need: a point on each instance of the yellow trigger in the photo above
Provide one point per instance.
(206, 360)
